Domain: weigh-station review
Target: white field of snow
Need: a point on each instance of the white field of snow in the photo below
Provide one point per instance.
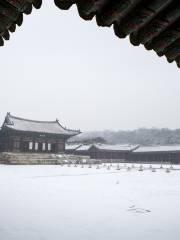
(74, 203)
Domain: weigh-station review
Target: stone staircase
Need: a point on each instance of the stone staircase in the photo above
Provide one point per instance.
(13, 158)
(29, 158)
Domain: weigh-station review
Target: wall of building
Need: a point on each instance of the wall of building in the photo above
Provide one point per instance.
(109, 154)
(16, 142)
(156, 157)
(122, 156)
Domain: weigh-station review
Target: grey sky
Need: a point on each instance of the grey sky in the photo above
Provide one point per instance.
(59, 66)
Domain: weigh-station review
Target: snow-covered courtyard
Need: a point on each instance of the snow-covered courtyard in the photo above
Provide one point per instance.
(75, 203)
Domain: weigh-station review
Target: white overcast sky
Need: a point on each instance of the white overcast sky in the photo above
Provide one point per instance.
(59, 66)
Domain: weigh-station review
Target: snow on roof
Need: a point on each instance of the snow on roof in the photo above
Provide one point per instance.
(72, 146)
(108, 147)
(21, 124)
(84, 148)
(158, 149)
(116, 147)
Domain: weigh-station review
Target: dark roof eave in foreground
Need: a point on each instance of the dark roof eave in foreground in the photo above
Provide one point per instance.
(11, 15)
(153, 23)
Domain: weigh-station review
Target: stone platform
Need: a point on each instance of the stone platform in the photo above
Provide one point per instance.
(29, 158)
(13, 158)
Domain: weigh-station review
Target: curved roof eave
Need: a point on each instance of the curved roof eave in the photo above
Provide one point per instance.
(68, 135)
(152, 23)
(34, 126)
(11, 15)
(155, 23)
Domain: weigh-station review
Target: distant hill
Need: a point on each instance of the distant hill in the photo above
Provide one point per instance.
(142, 136)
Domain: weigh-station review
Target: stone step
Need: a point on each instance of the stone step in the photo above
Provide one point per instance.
(30, 158)
(37, 158)
(28, 155)
(34, 162)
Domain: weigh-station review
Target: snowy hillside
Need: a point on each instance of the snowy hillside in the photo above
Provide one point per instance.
(142, 136)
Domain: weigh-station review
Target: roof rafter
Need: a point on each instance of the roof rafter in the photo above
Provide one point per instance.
(153, 23)
(11, 15)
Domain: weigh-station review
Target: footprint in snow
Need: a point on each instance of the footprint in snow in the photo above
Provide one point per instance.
(134, 209)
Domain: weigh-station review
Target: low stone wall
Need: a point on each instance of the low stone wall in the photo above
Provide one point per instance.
(28, 159)
(12, 158)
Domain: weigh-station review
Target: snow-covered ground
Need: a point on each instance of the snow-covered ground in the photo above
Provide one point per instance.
(64, 203)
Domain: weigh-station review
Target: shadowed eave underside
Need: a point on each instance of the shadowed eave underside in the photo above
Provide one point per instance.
(153, 23)
(11, 15)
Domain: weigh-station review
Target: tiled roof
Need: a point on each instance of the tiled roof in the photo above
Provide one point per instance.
(11, 15)
(153, 23)
(84, 148)
(116, 147)
(26, 125)
(108, 147)
(157, 149)
(72, 146)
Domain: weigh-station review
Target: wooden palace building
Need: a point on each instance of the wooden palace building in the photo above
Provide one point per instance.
(156, 154)
(24, 135)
